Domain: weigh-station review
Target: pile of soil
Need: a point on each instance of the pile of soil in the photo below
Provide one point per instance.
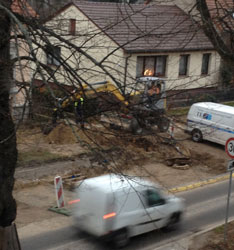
(61, 134)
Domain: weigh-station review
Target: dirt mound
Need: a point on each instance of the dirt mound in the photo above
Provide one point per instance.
(105, 140)
(69, 134)
(61, 134)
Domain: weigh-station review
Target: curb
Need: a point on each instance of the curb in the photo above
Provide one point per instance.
(200, 184)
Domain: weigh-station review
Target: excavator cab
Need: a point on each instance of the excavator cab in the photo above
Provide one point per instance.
(151, 108)
(154, 95)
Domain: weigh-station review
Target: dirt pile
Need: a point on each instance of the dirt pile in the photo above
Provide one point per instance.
(61, 134)
(69, 134)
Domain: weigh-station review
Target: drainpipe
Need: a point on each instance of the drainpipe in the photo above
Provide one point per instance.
(125, 73)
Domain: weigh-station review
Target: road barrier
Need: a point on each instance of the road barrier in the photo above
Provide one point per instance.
(58, 183)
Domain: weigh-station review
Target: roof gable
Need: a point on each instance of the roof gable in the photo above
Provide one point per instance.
(145, 28)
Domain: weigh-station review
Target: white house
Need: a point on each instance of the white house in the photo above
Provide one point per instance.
(129, 41)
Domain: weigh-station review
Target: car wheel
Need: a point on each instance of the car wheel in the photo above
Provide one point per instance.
(196, 135)
(121, 238)
(172, 222)
(163, 124)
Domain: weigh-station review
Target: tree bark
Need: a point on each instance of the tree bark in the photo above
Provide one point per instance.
(8, 150)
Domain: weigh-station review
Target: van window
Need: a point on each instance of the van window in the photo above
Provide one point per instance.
(153, 198)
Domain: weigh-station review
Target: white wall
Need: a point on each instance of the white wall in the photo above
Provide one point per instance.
(91, 41)
(194, 79)
(99, 45)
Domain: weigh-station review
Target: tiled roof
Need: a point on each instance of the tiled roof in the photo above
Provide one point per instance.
(222, 12)
(217, 5)
(146, 28)
(23, 8)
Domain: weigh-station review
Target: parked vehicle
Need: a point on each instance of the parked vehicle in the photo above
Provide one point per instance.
(145, 108)
(117, 208)
(211, 121)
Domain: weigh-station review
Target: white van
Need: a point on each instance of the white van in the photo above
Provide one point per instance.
(211, 121)
(117, 208)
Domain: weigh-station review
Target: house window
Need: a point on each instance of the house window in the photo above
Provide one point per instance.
(183, 65)
(205, 64)
(53, 55)
(160, 65)
(72, 27)
(151, 65)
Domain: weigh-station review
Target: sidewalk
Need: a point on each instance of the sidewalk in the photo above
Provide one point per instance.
(182, 244)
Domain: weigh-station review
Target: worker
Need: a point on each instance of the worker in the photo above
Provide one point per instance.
(79, 111)
(54, 116)
(154, 92)
(158, 89)
(57, 114)
(57, 111)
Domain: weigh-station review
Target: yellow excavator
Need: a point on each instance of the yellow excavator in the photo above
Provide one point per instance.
(93, 91)
(145, 108)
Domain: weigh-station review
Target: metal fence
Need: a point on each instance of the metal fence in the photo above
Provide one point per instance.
(182, 98)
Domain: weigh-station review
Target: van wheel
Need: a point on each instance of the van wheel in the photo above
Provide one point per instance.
(196, 135)
(121, 238)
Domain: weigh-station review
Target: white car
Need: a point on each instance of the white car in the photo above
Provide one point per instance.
(118, 208)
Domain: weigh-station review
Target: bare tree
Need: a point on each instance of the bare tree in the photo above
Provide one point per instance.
(8, 151)
(62, 62)
(217, 22)
(216, 19)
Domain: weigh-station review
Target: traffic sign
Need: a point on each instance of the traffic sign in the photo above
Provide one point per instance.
(230, 165)
(229, 147)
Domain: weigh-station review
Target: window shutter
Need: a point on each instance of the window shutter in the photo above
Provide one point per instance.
(72, 27)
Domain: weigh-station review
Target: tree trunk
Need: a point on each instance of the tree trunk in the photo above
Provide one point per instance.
(8, 151)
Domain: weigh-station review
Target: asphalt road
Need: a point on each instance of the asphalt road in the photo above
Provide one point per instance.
(205, 207)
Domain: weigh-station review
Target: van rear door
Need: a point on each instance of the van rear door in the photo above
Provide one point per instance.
(90, 209)
(225, 126)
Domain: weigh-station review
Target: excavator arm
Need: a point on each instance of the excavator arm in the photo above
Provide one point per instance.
(92, 91)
